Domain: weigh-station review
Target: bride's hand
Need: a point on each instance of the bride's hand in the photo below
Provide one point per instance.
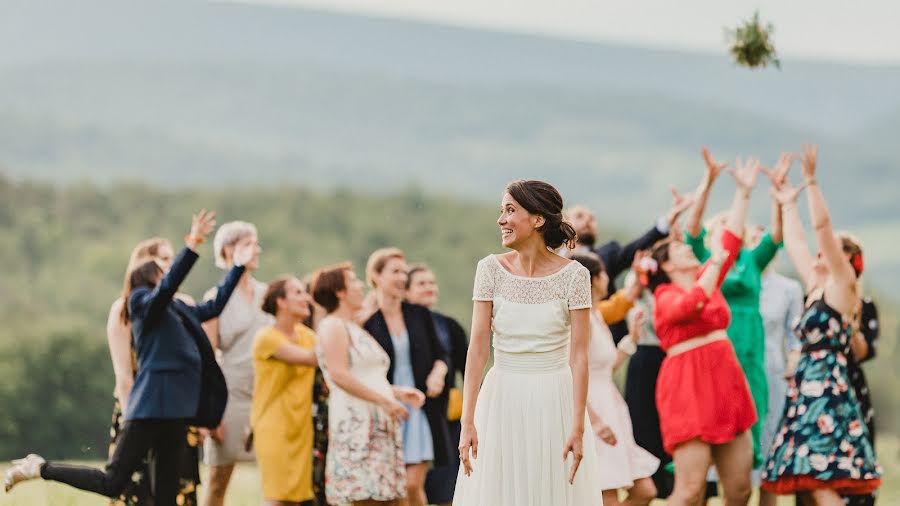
(574, 445)
(468, 440)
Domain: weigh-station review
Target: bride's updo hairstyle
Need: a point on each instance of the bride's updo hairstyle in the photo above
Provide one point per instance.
(541, 198)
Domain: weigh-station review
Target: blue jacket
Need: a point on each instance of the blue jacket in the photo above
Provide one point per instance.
(177, 374)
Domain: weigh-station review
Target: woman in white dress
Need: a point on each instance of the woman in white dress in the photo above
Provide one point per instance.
(623, 464)
(523, 441)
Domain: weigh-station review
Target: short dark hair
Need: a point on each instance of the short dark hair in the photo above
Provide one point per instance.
(591, 261)
(541, 198)
(327, 282)
(277, 289)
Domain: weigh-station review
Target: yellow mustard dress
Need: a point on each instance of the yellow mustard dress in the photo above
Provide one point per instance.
(281, 416)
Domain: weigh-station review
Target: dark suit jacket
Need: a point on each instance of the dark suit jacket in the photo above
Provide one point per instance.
(424, 349)
(177, 374)
(617, 259)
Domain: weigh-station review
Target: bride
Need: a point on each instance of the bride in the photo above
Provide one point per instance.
(523, 440)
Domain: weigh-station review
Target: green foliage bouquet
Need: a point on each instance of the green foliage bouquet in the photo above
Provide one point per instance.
(751, 44)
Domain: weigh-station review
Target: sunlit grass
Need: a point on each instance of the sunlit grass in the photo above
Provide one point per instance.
(245, 491)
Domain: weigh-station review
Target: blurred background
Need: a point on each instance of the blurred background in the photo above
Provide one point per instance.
(342, 126)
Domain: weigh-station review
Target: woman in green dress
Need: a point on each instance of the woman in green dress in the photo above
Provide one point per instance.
(741, 289)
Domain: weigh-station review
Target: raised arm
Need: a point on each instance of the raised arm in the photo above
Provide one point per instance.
(213, 306)
(843, 292)
(745, 175)
(701, 196)
(148, 304)
(794, 237)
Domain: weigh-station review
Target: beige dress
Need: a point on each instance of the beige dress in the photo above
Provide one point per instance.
(238, 325)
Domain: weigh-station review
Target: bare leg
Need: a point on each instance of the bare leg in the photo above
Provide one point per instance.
(826, 497)
(734, 463)
(692, 460)
(767, 498)
(219, 477)
(415, 484)
(611, 497)
(640, 494)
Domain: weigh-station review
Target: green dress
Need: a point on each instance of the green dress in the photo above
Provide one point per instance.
(741, 289)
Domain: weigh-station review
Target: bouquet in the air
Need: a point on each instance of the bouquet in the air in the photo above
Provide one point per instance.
(751, 44)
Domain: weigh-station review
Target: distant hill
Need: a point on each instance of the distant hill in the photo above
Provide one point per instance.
(184, 92)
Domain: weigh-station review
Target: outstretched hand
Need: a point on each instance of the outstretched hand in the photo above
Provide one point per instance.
(808, 162)
(786, 194)
(778, 175)
(202, 224)
(745, 173)
(713, 169)
(680, 203)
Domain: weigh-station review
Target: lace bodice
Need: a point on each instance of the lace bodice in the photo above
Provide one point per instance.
(531, 314)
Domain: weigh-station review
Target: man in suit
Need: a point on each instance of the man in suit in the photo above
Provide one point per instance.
(616, 257)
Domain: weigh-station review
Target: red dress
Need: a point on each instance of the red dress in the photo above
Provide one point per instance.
(700, 393)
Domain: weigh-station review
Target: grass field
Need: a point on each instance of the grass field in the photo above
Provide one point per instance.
(245, 486)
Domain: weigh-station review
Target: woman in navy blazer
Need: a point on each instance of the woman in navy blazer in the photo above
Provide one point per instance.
(178, 381)
(418, 360)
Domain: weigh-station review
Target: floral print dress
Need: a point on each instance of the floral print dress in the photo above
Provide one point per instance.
(365, 446)
(823, 440)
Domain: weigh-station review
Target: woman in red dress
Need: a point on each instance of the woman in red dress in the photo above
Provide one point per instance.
(704, 402)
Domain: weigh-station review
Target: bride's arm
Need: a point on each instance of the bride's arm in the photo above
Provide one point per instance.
(476, 360)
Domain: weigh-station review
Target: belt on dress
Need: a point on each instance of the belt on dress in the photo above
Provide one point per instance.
(696, 342)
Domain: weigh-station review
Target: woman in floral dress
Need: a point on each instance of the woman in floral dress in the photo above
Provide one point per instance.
(822, 449)
(365, 462)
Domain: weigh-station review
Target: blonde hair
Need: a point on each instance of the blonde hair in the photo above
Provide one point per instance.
(377, 260)
(228, 235)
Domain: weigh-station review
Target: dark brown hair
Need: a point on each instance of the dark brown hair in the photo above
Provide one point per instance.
(850, 245)
(327, 282)
(541, 198)
(146, 275)
(591, 261)
(277, 289)
(659, 253)
(145, 250)
(413, 270)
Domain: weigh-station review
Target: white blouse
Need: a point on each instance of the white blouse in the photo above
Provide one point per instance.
(531, 315)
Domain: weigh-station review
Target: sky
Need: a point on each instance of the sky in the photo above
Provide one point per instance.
(834, 30)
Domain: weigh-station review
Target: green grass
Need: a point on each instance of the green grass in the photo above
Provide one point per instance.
(245, 491)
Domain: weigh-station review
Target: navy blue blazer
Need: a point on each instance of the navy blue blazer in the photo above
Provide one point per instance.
(177, 374)
(424, 348)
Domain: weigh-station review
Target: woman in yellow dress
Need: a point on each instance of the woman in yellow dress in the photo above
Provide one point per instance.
(284, 362)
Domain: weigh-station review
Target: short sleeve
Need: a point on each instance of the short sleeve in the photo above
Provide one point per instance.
(580, 289)
(484, 280)
(266, 343)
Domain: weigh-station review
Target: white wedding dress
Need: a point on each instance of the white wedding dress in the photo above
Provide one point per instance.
(523, 415)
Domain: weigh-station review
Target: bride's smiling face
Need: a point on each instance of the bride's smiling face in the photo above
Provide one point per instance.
(516, 224)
